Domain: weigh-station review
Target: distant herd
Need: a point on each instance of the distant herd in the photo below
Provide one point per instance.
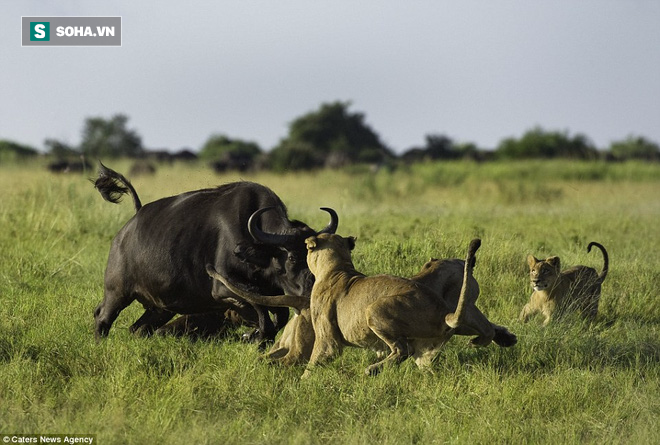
(230, 255)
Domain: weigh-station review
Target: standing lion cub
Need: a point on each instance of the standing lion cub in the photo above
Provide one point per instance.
(556, 292)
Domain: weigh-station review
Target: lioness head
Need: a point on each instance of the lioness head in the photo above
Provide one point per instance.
(328, 250)
(543, 273)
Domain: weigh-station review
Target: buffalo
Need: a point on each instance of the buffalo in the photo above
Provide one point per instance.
(159, 257)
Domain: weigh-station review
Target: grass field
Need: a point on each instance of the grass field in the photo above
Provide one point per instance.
(567, 383)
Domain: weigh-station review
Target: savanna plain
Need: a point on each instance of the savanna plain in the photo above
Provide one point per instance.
(570, 382)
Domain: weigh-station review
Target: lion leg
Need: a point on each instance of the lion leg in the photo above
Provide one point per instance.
(399, 352)
(281, 347)
(327, 343)
(548, 310)
(296, 347)
(526, 312)
(476, 323)
(322, 352)
(386, 329)
(591, 309)
(426, 350)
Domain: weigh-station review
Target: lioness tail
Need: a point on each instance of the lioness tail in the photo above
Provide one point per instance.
(112, 185)
(455, 319)
(606, 260)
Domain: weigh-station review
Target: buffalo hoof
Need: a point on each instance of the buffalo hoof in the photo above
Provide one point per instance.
(256, 336)
(141, 331)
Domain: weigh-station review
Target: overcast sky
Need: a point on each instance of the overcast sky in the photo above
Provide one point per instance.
(477, 71)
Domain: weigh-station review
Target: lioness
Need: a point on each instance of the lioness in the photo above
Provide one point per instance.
(295, 345)
(444, 277)
(380, 312)
(556, 293)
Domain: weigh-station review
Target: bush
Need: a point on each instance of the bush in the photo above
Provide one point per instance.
(218, 146)
(12, 151)
(635, 147)
(331, 136)
(294, 156)
(538, 143)
(225, 153)
(104, 138)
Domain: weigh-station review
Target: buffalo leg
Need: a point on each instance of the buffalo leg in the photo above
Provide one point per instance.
(151, 320)
(265, 330)
(203, 325)
(107, 312)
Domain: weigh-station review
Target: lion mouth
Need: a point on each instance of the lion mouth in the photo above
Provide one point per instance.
(539, 286)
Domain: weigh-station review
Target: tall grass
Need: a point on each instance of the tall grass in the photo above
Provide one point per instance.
(566, 383)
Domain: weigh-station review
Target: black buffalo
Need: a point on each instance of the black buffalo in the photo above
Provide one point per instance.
(159, 257)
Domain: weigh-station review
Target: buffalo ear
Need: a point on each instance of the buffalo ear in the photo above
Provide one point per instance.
(248, 254)
(351, 242)
(311, 243)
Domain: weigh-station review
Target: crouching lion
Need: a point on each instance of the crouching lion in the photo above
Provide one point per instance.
(383, 312)
(557, 293)
(444, 277)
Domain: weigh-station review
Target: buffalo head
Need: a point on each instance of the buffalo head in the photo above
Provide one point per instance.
(281, 255)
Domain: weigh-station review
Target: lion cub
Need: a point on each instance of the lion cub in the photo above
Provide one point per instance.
(383, 313)
(556, 292)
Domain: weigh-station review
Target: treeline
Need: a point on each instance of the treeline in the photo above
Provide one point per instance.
(330, 137)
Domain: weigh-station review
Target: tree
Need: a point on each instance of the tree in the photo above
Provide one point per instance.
(110, 138)
(60, 150)
(219, 145)
(439, 146)
(635, 147)
(294, 156)
(333, 135)
(12, 151)
(229, 154)
(538, 143)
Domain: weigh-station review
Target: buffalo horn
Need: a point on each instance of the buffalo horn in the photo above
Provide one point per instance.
(279, 239)
(334, 221)
(263, 237)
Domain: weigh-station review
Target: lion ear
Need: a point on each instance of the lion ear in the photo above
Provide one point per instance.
(532, 260)
(554, 262)
(311, 243)
(351, 242)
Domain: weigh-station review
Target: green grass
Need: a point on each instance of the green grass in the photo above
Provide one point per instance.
(568, 383)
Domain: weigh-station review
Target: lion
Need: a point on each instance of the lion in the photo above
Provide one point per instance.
(444, 277)
(556, 293)
(294, 346)
(384, 313)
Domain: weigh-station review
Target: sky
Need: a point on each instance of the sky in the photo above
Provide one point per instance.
(476, 71)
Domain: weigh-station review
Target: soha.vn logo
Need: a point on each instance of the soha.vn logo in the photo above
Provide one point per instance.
(40, 31)
(85, 31)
